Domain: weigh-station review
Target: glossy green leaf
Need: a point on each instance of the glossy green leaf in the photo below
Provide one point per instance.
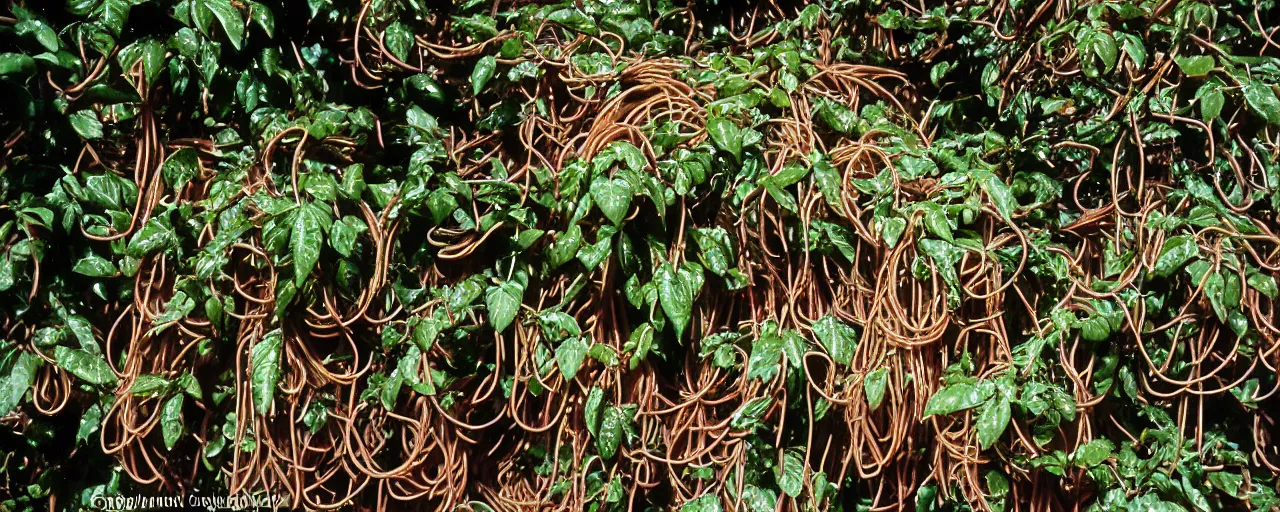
(1175, 253)
(1261, 98)
(17, 380)
(503, 303)
(85, 366)
(86, 124)
(307, 239)
(1093, 453)
(992, 421)
(613, 196)
(230, 17)
(16, 65)
(265, 370)
(480, 75)
(726, 135)
(592, 410)
(569, 356)
(791, 474)
(171, 421)
(611, 432)
(839, 338)
(399, 41)
(1197, 65)
(954, 398)
(95, 266)
(675, 295)
(181, 167)
(874, 386)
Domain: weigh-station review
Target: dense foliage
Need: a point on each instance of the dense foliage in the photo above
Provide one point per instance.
(641, 255)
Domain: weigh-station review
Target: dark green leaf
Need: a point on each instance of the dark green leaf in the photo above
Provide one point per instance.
(265, 370)
(171, 421)
(85, 366)
(992, 421)
(839, 338)
(480, 75)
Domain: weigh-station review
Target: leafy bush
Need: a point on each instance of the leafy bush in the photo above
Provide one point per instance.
(640, 255)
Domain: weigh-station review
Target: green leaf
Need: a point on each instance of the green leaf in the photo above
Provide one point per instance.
(874, 387)
(13, 65)
(483, 71)
(828, 179)
(95, 266)
(171, 421)
(726, 135)
(565, 247)
(791, 474)
(840, 339)
(759, 499)
(1097, 47)
(591, 411)
(86, 124)
(569, 356)
(503, 303)
(766, 355)
(189, 385)
(265, 370)
(1211, 99)
(1265, 284)
(1093, 453)
(613, 196)
(676, 297)
(605, 354)
(1192, 492)
(427, 86)
(838, 116)
(15, 383)
(181, 167)
(399, 41)
(954, 398)
(1198, 65)
(926, 497)
(85, 366)
(154, 236)
(83, 332)
(1133, 47)
(992, 420)
(892, 229)
(344, 233)
(640, 343)
(1262, 99)
(1175, 253)
(149, 384)
(44, 34)
(749, 415)
(309, 225)
(716, 250)
(1095, 328)
(706, 503)
(150, 53)
(231, 19)
(610, 435)
(999, 193)
(89, 422)
(263, 16)
(574, 19)
(935, 220)
(1228, 483)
